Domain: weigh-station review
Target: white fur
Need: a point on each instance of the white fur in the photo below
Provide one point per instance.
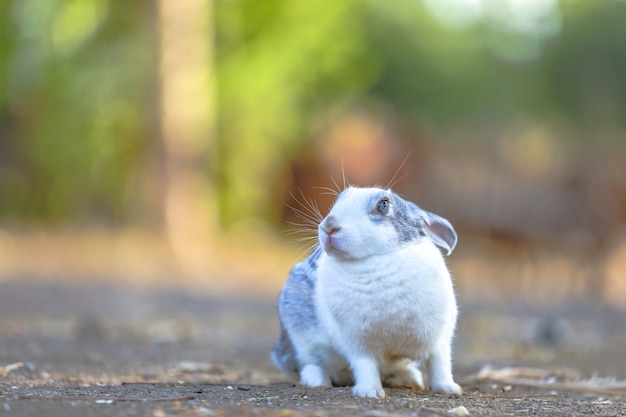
(398, 305)
(382, 304)
(358, 238)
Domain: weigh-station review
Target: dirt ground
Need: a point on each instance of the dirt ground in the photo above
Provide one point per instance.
(115, 350)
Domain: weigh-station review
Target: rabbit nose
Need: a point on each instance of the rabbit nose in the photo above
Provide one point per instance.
(330, 225)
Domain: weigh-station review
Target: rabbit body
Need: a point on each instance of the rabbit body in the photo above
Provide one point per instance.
(373, 301)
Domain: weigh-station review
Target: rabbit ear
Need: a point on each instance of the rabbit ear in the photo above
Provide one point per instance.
(438, 229)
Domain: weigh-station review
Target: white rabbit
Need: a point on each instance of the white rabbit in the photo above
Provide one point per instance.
(373, 300)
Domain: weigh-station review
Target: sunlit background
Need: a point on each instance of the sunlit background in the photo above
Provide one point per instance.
(152, 141)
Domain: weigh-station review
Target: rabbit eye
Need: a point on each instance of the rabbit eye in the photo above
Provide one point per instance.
(383, 206)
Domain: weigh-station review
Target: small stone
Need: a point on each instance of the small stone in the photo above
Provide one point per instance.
(158, 412)
(459, 411)
(244, 388)
(104, 401)
(204, 411)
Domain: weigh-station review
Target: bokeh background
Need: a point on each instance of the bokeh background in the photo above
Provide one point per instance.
(158, 142)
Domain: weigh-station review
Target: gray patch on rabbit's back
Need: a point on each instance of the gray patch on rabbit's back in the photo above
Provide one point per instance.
(312, 261)
(299, 291)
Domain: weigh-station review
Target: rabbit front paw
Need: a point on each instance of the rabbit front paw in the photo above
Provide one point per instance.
(367, 391)
(313, 376)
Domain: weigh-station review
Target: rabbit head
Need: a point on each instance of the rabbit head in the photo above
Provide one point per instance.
(372, 221)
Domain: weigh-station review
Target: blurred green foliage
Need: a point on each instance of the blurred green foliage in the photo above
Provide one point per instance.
(79, 93)
(280, 64)
(75, 107)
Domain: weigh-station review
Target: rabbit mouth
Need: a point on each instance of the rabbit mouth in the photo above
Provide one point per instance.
(331, 244)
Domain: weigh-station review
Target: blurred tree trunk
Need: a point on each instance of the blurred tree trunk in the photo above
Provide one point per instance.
(187, 118)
